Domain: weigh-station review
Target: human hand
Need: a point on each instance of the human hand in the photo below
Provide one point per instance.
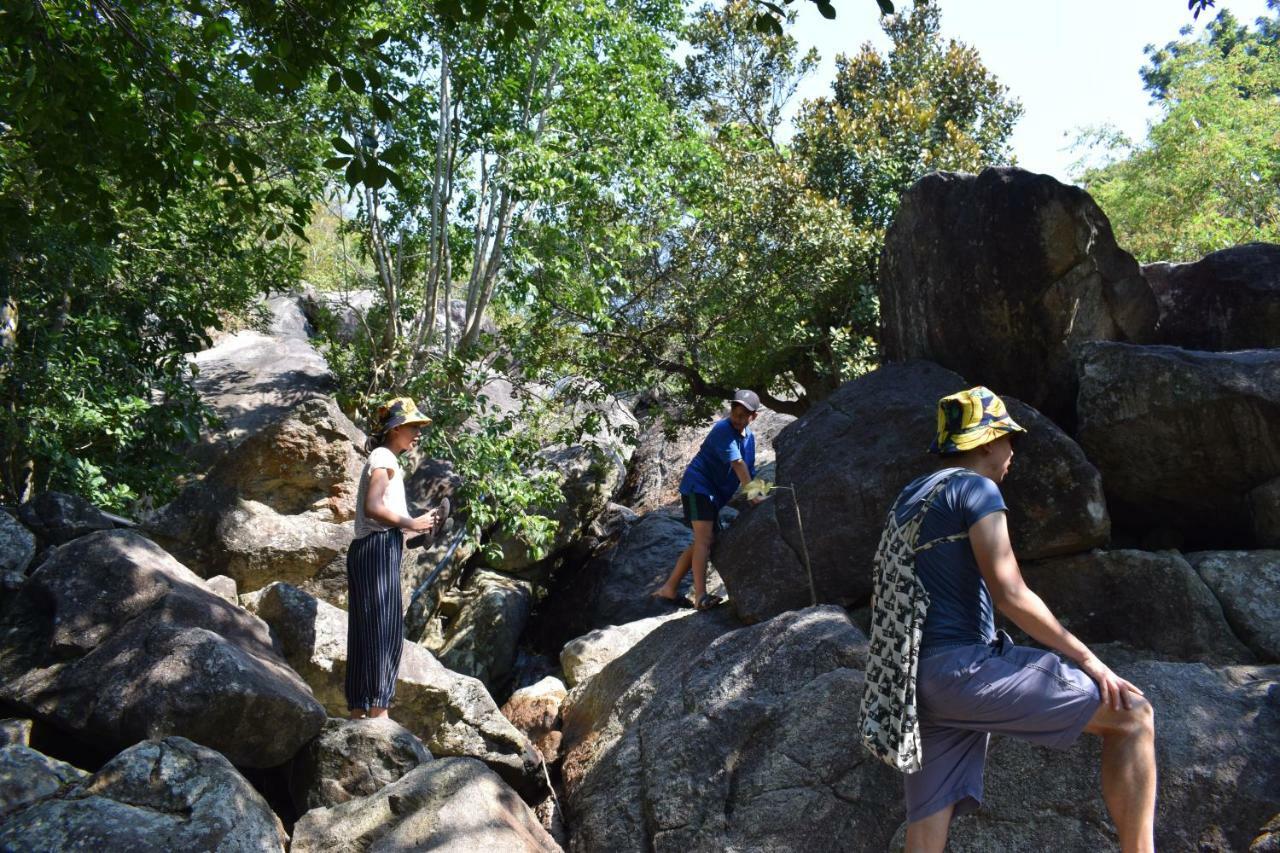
(1113, 689)
(424, 522)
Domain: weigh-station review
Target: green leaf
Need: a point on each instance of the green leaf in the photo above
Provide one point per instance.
(335, 83)
(184, 99)
(380, 109)
(353, 174)
(380, 37)
(828, 11)
(886, 7)
(354, 81)
(375, 79)
(336, 162)
(343, 145)
(767, 24)
(299, 232)
(274, 230)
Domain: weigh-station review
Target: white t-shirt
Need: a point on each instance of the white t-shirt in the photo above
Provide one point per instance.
(392, 497)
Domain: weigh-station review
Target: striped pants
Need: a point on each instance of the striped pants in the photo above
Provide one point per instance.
(375, 621)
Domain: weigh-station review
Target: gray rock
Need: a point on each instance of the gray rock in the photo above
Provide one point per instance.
(453, 714)
(1022, 267)
(703, 737)
(27, 776)
(454, 804)
(224, 587)
(583, 657)
(351, 759)
(1248, 585)
(57, 518)
(481, 624)
(1151, 602)
(253, 377)
(15, 732)
(882, 424)
(1218, 760)
(17, 544)
(159, 795)
(278, 507)
(535, 710)
(115, 641)
(1264, 509)
(1181, 437)
(589, 472)
(1268, 840)
(615, 587)
(1228, 300)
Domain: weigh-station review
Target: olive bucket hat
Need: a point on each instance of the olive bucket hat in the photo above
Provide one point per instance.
(399, 411)
(971, 419)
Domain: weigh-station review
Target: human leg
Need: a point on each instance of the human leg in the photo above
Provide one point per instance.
(671, 589)
(1129, 770)
(375, 622)
(929, 834)
(703, 533)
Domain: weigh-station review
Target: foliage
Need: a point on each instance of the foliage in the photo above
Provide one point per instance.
(1208, 174)
(145, 170)
(928, 105)
(1225, 33)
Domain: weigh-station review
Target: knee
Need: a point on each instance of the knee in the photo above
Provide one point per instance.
(1140, 720)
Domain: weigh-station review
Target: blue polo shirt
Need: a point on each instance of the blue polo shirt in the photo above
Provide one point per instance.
(711, 471)
(960, 608)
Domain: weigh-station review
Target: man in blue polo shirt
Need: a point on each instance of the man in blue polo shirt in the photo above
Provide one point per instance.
(725, 461)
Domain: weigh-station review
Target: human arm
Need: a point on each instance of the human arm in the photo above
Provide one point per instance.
(375, 508)
(989, 537)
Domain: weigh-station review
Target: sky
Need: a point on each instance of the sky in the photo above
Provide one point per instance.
(1072, 65)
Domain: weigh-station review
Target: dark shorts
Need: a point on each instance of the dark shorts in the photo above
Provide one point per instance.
(967, 692)
(699, 508)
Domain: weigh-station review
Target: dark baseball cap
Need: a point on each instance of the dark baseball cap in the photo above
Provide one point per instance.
(746, 399)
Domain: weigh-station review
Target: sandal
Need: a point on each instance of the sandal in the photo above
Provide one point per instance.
(709, 601)
(678, 601)
(444, 523)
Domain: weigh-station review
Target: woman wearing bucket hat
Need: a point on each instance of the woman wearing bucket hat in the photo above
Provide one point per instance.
(375, 621)
(725, 461)
(940, 678)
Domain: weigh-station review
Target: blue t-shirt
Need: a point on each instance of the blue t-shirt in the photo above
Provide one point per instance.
(711, 470)
(960, 609)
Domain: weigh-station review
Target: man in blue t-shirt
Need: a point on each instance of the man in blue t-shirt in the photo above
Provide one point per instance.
(971, 680)
(725, 461)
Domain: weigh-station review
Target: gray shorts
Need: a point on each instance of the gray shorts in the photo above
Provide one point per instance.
(966, 692)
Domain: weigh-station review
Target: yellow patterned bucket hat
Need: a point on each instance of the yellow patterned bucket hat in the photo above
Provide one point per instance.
(971, 419)
(399, 411)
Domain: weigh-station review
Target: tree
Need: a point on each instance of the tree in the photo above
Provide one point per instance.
(928, 105)
(1208, 174)
(1225, 33)
(145, 171)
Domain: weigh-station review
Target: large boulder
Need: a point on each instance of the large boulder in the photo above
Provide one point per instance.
(653, 479)
(1248, 585)
(850, 456)
(1181, 437)
(535, 710)
(1227, 300)
(1218, 760)
(454, 805)
(114, 641)
(588, 471)
(707, 738)
(351, 759)
(615, 587)
(1021, 267)
(278, 507)
(254, 376)
(582, 657)
(17, 544)
(159, 795)
(480, 624)
(453, 714)
(1150, 602)
(28, 776)
(56, 518)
